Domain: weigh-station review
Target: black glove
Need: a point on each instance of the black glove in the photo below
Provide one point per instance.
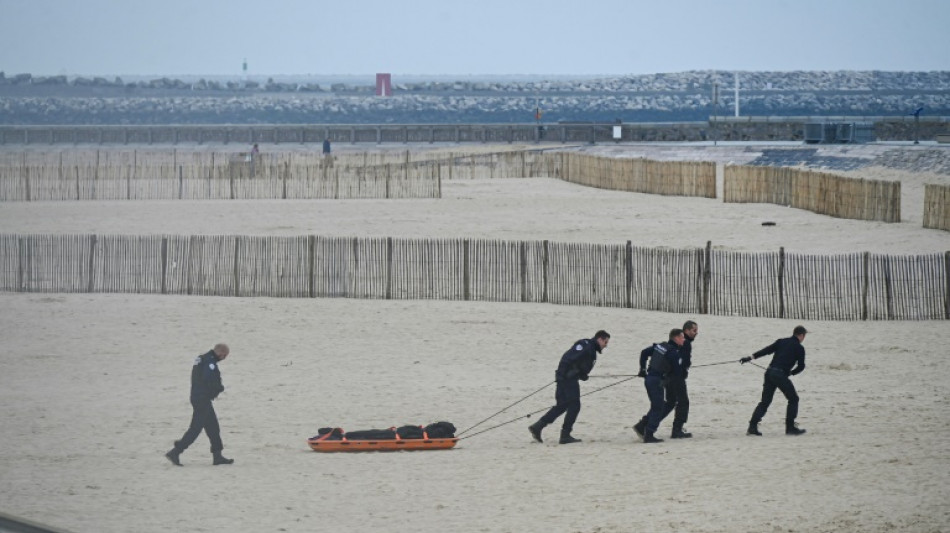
(642, 373)
(583, 377)
(745, 360)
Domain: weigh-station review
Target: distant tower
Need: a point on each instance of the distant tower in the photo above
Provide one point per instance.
(384, 85)
(737, 93)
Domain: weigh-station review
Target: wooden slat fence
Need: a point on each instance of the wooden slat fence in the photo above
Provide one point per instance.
(745, 283)
(206, 176)
(818, 192)
(198, 176)
(937, 206)
(677, 178)
(860, 286)
(908, 287)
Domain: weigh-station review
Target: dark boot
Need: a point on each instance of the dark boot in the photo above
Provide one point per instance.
(639, 427)
(172, 456)
(753, 429)
(649, 438)
(221, 460)
(792, 429)
(678, 433)
(566, 438)
(535, 430)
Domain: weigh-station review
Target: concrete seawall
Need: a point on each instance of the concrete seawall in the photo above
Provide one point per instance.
(897, 128)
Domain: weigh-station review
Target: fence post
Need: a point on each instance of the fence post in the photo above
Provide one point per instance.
(95, 179)
(781, 282)
(865, 273)
(187, 264)
(544, 272)
(946, 271)
(92, 256)
(237, 279)
(466, 279)
(311, 244)
(286, 173)
(26, 177)
(707, 278)
(128, 177)
(355, 292)
(389, 171)
(888, 289)
(164, 263)
(628, 272)
(524, 271)
(181, 181)
(21, 251)
(389, 268)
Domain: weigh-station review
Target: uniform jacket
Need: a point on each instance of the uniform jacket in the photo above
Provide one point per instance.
(665, 359)
(789, 355)
(206, 378)
(578, 361)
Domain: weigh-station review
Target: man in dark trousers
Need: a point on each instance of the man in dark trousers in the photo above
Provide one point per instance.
(576, 364)
(677, 396)
(205, 387)
(665, 359)
(789, 359)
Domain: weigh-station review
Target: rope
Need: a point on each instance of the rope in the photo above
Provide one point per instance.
(506, 408)
(637, 375)
(714, 364)
(539, 410)
(627, 377)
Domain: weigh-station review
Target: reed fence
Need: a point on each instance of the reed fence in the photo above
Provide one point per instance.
(861, 286)
(135, 175)
(676, 178)
(821, 193)
(209, 176)
(937, 206)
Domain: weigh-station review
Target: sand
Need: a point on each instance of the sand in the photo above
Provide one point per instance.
(95, 388)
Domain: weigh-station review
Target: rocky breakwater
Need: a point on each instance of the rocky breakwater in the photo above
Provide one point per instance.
(674, 97)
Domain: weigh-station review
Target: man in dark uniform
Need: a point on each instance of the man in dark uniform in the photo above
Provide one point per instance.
(205, 387)
(789, 360)
(665, 359)
(677, 396)
(576, 363)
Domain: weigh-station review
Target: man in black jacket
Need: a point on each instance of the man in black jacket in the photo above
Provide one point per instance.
(677, 395)
(576, 363)
(789, 360)
(665, 360)
(205, 387)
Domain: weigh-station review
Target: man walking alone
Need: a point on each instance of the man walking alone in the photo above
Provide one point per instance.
(205, 387)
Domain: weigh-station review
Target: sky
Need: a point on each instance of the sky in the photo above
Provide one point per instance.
(476, 37)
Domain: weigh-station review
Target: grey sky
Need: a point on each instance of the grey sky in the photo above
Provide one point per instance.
(446, 37)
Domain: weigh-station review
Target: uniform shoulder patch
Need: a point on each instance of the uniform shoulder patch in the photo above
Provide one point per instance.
(211, 366)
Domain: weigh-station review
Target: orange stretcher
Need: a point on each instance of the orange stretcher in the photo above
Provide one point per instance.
(324, 443)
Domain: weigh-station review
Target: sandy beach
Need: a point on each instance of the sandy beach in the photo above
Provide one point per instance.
(95, 386)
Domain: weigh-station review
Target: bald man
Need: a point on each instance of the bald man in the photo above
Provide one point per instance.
(205, 387)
